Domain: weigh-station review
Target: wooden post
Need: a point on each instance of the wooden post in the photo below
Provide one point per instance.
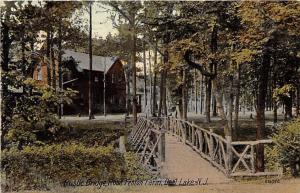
(229, 154)
(211, 144)
(177, 129)
(162, 146)
(200, 140)
(193, 134)
(184, 132)
(122, 142)
(167, 124)
(252, 159)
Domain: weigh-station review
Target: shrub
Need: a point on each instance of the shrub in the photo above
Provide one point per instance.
(287, 139)
(90, 134)
(134, 169)
(31, 117)
(57, 163)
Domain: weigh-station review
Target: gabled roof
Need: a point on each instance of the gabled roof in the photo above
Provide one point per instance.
(100, 63)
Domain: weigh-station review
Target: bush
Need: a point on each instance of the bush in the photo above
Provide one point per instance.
(287, 150)
(134, 169)
(90, 134)
(30, 118)
(57, 163)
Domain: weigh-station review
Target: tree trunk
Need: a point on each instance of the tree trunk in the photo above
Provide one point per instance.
(196, 92)
(6, 43)
(145, 76)
(133, 60)
(213, 49)
(274, 101)
(201, 95)
(230, 108)
(127, 74)
(219, 104)
(91, 68)
(237, 103)
(214, 106)
(161, 93)
(288, 103)
(275, 112)
(179, 109)
(184, 95)
(207, 99)
(154, 102)
(54, 77)
(260, 110)
(164, 80)
(60, 83)
(150, 84)
(26, 89)
(49, 59)
(165, 93)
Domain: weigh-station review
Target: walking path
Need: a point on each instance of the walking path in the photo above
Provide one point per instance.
(182, 162)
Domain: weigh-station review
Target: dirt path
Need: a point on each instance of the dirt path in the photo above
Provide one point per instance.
(182, 162)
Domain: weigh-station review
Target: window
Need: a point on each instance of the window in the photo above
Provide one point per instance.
(112, 78)
(39, 72)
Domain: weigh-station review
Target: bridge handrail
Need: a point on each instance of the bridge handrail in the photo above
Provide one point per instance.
(148, 140)
(234, 158)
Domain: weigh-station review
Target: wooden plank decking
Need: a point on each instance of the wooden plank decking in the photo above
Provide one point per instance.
(182, 162)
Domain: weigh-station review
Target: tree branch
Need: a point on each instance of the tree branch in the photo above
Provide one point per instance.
(115, 6)
(153, 46)
(197, 66)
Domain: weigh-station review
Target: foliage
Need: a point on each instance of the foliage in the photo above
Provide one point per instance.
(284, 91)
(89, 134)
(272, 157)
(57, 163)
(32, 117)
(28, 107)
(287, 150)
(40, 167)
(134, 169)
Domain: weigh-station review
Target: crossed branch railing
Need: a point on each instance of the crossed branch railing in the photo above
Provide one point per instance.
(233, 158)
(148, 140)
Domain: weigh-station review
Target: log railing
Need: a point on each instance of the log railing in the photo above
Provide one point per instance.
(148, 141)
(232, 158)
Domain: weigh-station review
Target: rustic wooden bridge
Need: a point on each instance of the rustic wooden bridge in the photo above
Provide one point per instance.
(175, 148)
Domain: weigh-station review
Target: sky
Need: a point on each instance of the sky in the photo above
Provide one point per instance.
(101, 22)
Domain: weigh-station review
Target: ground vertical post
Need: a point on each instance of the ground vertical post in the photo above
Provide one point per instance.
(211, 145)
(193, 134)
(122, 142)
(252, 159)
(162, 146)
(229, 154)
(183, 132)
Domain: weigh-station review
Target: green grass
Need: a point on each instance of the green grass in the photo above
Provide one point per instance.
(246, 129)
(91, 133)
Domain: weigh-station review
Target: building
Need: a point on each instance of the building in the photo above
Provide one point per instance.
(112, 87)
